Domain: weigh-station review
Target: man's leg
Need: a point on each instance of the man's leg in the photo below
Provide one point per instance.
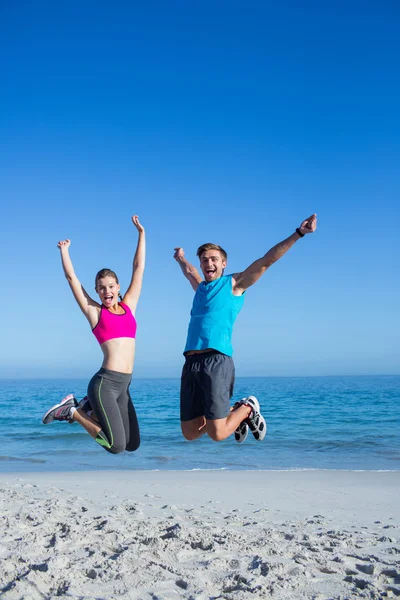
(217, 379)
(193, 422)
(220, 429)
(194, 429)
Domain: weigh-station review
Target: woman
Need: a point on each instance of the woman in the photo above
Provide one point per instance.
(113, 422)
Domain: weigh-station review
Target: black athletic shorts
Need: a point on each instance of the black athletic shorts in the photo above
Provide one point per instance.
(207, 386)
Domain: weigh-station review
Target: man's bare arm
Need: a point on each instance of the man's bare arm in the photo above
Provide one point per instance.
(242, 281)
(189, 271)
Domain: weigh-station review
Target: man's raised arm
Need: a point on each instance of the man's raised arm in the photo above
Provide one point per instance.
(189, 271)
(242, 281)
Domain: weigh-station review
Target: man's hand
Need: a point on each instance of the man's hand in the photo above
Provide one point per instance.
(309, 225)
(64, 244)
(178, 254)
(189, 271)
(135, 221)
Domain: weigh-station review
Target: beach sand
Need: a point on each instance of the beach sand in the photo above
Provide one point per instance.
(200, 535)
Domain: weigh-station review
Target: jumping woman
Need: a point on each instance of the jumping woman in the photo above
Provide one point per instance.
(112, 421)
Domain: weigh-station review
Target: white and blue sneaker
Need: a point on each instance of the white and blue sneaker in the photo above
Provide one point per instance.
(242, 430)
(255, 420)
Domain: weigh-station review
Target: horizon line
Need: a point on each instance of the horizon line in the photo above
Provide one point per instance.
(238, 377)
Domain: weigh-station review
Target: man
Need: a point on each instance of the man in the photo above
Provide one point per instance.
(208, 373)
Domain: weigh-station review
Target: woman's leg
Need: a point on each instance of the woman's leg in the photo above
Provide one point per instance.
(91, 425)
(104, 391)
(130, 421)
(69, 410)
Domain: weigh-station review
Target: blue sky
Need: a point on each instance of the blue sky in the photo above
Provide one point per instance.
(214, 121)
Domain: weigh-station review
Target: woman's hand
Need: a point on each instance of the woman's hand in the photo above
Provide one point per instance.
(135, 221)
(64, 244)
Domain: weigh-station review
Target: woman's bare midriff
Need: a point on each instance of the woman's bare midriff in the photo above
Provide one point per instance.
(119, 355)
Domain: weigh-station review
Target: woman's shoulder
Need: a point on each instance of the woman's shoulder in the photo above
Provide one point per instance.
(125, 306)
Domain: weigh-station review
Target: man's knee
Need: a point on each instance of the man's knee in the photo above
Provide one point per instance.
(192, 430)
(190, 433)
(216, 430)
(216, 436)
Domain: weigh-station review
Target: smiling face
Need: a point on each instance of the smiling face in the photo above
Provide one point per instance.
(107, 288)
(212, 264)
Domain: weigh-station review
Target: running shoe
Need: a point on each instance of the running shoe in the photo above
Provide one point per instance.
(255, 420)
(242, 430)
(61, 411)
(84, 405)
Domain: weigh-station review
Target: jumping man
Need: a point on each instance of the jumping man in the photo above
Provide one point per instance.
(208, 373)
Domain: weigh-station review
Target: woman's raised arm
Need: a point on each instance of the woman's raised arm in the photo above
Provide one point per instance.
(132, 295)
(88, 306)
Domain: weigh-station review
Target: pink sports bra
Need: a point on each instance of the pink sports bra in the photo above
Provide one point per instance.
(112, 326)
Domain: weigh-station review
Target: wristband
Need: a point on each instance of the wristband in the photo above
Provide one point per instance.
(299, 232)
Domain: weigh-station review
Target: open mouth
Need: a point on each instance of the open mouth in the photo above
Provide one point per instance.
(108, 298)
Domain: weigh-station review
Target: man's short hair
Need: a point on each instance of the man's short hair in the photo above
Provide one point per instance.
(210, 246)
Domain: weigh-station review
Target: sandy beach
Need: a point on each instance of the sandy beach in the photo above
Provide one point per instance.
(200, 535)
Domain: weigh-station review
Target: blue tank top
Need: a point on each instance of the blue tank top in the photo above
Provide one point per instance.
(213, 314)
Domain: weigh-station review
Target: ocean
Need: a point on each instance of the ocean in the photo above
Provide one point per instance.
(350, 423)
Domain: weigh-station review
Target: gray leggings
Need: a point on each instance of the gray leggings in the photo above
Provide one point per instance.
(108, 394)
